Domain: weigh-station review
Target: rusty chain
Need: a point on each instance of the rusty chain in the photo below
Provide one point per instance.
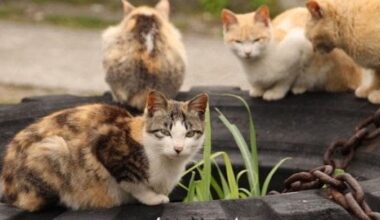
(368, 130)
(343, 189)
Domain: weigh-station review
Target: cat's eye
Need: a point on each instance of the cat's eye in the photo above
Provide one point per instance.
(238, 41)
(165, 132)
(256, 40)
(190, 134)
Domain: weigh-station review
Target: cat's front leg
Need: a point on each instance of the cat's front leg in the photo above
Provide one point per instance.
(370, 81)
(374, 96)
(144, 194)
(363, 91)
(256, 91)
(277, 92)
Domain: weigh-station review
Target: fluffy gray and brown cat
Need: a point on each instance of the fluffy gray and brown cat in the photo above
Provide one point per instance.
(99, 156)
(144, 51)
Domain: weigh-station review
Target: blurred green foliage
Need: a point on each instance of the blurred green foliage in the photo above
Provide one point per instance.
(78, 21)
(215, 6)
(205, 11)
(78, 2)
(258, 3)
(10, 12)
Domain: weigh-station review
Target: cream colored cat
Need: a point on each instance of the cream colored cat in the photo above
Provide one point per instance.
(271, 57)
(352, 26)
(277, 56)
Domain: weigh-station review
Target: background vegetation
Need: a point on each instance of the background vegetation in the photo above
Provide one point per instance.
(101, 13)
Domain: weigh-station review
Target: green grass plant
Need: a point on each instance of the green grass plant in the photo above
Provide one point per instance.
(227, 184)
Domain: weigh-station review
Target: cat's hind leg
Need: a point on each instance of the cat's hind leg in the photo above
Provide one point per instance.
(20, 193)
(44, 174)
(33, 201)
(35, 181)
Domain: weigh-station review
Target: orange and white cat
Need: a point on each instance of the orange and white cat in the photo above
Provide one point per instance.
(352, 26)
(270, 57)
(332, 72)
(278, 57)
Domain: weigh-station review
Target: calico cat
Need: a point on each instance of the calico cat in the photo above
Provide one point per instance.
(99, 156)
(277, 56)
(143, 52)
(351, 26)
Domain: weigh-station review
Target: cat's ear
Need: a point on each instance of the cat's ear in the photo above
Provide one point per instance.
(155, 101)
(262, 15)
(228, 18)
(128, 7)
(199, 105)
(315, 9)
(163, 6)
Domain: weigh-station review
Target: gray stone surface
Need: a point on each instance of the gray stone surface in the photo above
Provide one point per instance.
(53, 57)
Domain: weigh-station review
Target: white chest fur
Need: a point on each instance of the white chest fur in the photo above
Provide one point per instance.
(164, 174)
(281, 60)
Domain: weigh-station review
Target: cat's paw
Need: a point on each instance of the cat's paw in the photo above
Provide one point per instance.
(255, 92)
(374, 97)
(273, 95)
(362, 92)
(298, 90)
(157, 199)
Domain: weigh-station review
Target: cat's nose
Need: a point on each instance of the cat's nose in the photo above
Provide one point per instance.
(247, 54)
(178, 149)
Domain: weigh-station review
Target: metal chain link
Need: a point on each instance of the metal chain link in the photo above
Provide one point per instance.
(344, 189)
(367, 130)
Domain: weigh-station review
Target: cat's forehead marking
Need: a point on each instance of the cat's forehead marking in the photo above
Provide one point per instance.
(178, 130)
(176, 112)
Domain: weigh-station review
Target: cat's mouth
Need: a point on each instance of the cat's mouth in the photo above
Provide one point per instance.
(248, 56)
(176, 156)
